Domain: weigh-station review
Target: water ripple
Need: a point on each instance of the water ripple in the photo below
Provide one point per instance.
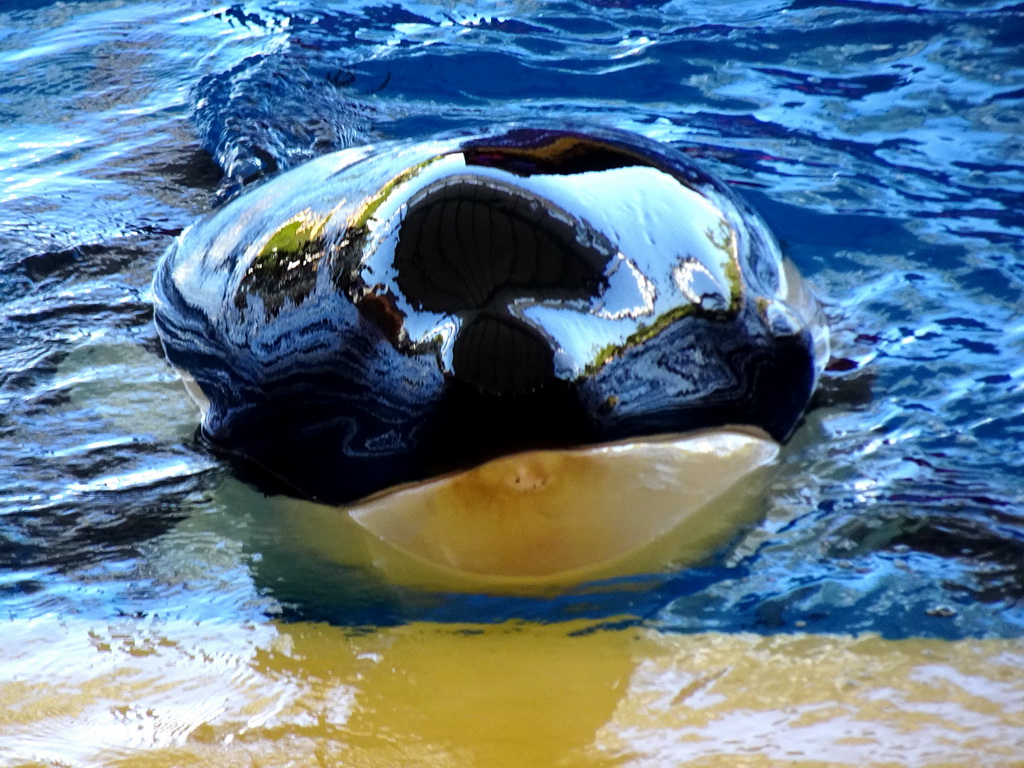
(880, 140)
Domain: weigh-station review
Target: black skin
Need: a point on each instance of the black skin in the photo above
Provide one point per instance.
(352, 403)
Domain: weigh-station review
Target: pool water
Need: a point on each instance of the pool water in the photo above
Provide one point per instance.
(873, 615)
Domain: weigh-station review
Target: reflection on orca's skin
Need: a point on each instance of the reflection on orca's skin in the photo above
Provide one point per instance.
(388, 313)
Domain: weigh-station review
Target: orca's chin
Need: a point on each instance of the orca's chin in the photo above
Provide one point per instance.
(545, 520)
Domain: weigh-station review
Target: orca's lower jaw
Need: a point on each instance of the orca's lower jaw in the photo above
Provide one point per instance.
(551, 519)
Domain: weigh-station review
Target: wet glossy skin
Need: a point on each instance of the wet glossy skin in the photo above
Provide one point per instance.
(384, 314)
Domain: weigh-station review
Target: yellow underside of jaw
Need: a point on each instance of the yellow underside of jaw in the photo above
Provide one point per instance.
(545, 519)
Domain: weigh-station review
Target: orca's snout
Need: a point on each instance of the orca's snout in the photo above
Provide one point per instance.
(387, 314)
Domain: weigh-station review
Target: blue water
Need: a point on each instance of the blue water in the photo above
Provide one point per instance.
(881, 141)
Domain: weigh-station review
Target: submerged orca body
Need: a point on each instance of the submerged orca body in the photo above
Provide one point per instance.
(388, 313)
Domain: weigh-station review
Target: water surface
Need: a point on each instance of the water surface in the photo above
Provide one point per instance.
(882, 143)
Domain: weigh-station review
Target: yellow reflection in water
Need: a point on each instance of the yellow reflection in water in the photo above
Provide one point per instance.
(152, 693)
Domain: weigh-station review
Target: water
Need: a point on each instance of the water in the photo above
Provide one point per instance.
(882, 143)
